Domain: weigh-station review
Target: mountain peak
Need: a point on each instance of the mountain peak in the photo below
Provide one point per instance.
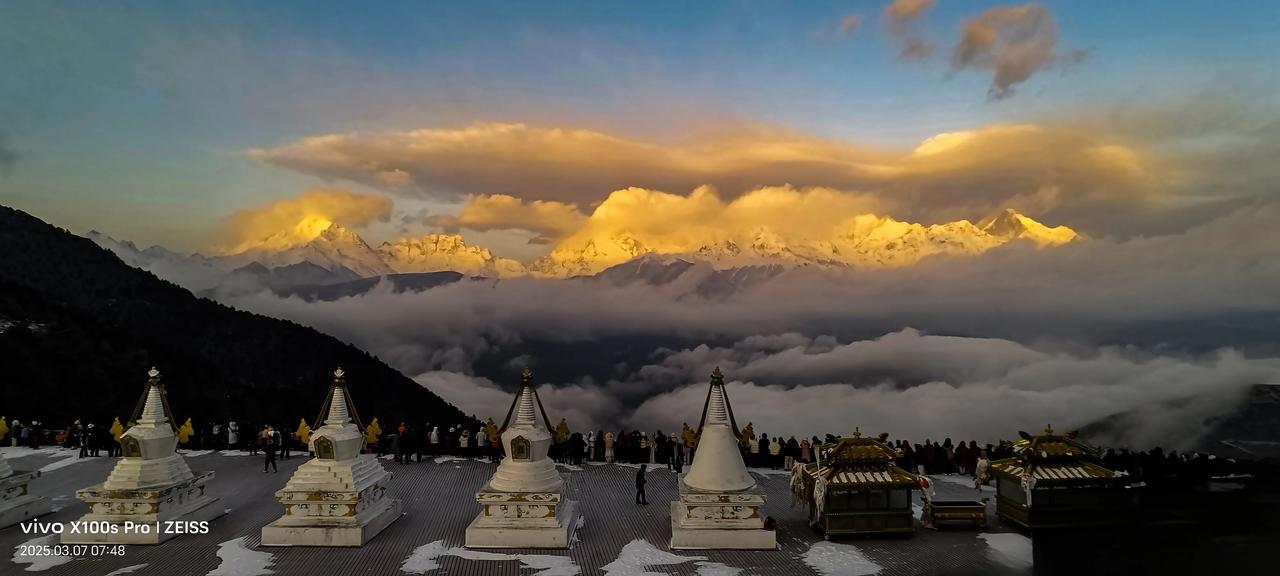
(1010, 224)
(436, 252)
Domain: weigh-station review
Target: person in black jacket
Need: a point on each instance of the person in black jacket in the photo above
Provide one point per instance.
(270, 450)
(641, 498)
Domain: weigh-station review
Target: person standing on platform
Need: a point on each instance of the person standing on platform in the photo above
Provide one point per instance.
(591, 445)
(790, 452)
(677, 457)
(81, 437)
(233, 436)
(282, 443)
(608, 448)
(260, 443)
(94, 437)
(641, 498)
(981, 470)
(269, 449)
(435, 441)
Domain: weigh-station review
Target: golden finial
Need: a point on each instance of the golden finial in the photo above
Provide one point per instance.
(526, 377)
(338, 373)
(857, 432)
(717, 375)
(153, 373)
(1048, 429)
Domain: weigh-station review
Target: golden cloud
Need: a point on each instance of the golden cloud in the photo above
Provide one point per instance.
(956, 175)
(547, 218)
(297, 220)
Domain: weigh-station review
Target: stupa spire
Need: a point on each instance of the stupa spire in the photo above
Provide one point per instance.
(717, 464)
(717, 410)
(153, 412)
(338, 414)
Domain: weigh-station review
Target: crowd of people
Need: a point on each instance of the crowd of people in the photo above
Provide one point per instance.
(409, 444)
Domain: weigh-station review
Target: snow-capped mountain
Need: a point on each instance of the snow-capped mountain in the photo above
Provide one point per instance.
(864, 241)
(446, 252)
(1009, 224)
(319, 252)
(332, 248)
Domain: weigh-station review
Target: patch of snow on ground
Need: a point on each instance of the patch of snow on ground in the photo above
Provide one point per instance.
(831, 559)
(570, 467)
(770, 472)
(194, 453)
(1009, 549)
(546, 565)
(443, 459)
(67, 458)
(59, 502)
(237, 560)
(717, 569)
(20, 451)
(638, 555)
(39, 563)
(423, 559)
(127, 570)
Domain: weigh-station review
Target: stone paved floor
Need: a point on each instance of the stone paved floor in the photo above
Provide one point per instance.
(617, 538)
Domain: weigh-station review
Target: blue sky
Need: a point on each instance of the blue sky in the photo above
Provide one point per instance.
(134, 117)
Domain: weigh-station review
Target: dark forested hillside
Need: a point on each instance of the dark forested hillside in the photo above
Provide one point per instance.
(79, 329)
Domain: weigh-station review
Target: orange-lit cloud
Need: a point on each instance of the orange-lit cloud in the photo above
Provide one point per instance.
(294, 221)
(1012, 42)
(957, 175)
(900, 18)
(547, 218)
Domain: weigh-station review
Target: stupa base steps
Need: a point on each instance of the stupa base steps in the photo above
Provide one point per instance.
(702, 520)
(551, 532)
(116, 514)
(722, 539)
(332, 531)
(16, 505)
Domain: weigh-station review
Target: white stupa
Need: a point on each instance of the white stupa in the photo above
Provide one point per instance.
(524, 504)
(17, 504)
(337, 498)
(151, 484)
(719, 505)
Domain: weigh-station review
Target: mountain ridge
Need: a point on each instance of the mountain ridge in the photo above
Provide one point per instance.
(863, 241)
(84, 326)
